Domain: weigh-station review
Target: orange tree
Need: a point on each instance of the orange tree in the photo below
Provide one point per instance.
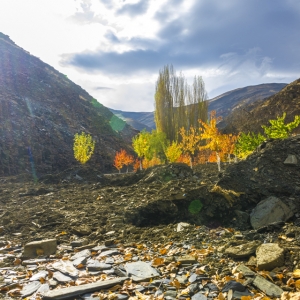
(122, 158)
(214, 139)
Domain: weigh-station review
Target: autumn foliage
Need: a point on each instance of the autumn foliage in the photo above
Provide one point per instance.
(122, 158)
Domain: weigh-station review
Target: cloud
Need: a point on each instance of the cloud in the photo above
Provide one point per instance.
(133, 10)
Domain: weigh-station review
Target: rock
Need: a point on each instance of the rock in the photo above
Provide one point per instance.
(140, 271)
(109, 252)
(38, 276)
(243, 250)
(181, 226)
(291, 160)
(30, 288)
(269, 211)
(60, 277)
(84, 253)
(82, 230)
(187, 259)
(95, 265)
(73, 291)
(199, 296)
(269, 256)
(267, 287)
(37, 248)
(66, 267)
(233, 285)
(79, 262)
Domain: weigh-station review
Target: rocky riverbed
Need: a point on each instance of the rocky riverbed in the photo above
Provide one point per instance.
(169, 232)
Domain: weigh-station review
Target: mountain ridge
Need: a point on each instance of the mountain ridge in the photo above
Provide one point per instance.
(41, 110)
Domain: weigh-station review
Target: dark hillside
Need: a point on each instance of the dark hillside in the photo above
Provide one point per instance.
(41, 110)
(250, 117)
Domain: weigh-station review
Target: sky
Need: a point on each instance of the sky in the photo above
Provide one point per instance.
(114, 49)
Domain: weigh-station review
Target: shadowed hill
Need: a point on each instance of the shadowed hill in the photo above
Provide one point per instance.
(250, 117)
(41, 110)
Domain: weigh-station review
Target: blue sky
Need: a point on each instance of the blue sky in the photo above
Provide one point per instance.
(115, 48)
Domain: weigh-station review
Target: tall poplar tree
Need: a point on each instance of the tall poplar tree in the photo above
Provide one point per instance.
(178, 104)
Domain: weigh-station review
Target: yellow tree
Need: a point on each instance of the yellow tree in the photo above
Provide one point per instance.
(228, 145)
(83, 147)
(189, 142)
(214, 139)
(173, 152)
(141, 145)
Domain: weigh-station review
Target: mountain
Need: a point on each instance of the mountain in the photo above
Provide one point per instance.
(250, 117)
(224, 104)
(41, 110)
(138, 120)
(229, 101)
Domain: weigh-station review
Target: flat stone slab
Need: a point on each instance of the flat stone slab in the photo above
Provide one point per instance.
(244, 250)
(38, 248)
(140, 271)
(73, 291)
(83, 253)
(60, 277)
(267, 287)
(66, 267)
(95, 265)
(30, 288)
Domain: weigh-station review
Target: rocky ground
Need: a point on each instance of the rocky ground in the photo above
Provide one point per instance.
(165, 233)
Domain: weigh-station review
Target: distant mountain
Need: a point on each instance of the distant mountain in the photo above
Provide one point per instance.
(229, 101)
(250, 117)
(41, 110)
(138, 120)
(223, 104)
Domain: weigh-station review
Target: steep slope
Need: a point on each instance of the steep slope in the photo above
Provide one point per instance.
(224, 104)
(229, 101)
(250, 117)
(41, 110)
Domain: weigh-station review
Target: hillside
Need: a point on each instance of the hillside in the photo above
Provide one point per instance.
(224, 104)
(252, 116)
(41, 110)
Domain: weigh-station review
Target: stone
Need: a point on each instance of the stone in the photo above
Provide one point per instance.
(66, 267)
(269, 256)
(73, 291)
(267, 287)
(82, 230)
(84, 253)
(244, 250)
(291, 160)
(109, 252)
(60, 277)
(140, 271)
(95, 265)
(187, 259)
(38, 276)
(181, 226)
(233, 285)
(30, 288)
(79, 262)
(37, 248)
(269, 211)
(199, 296)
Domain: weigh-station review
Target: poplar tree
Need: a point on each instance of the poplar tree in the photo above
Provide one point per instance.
(178, 104)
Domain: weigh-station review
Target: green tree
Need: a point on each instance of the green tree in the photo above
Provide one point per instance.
(247, 143)
(83, 147)
(279, 130)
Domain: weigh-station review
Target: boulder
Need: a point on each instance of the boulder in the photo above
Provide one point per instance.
(37, 248)
(269, 211)
(269, 256)
(244, 250)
